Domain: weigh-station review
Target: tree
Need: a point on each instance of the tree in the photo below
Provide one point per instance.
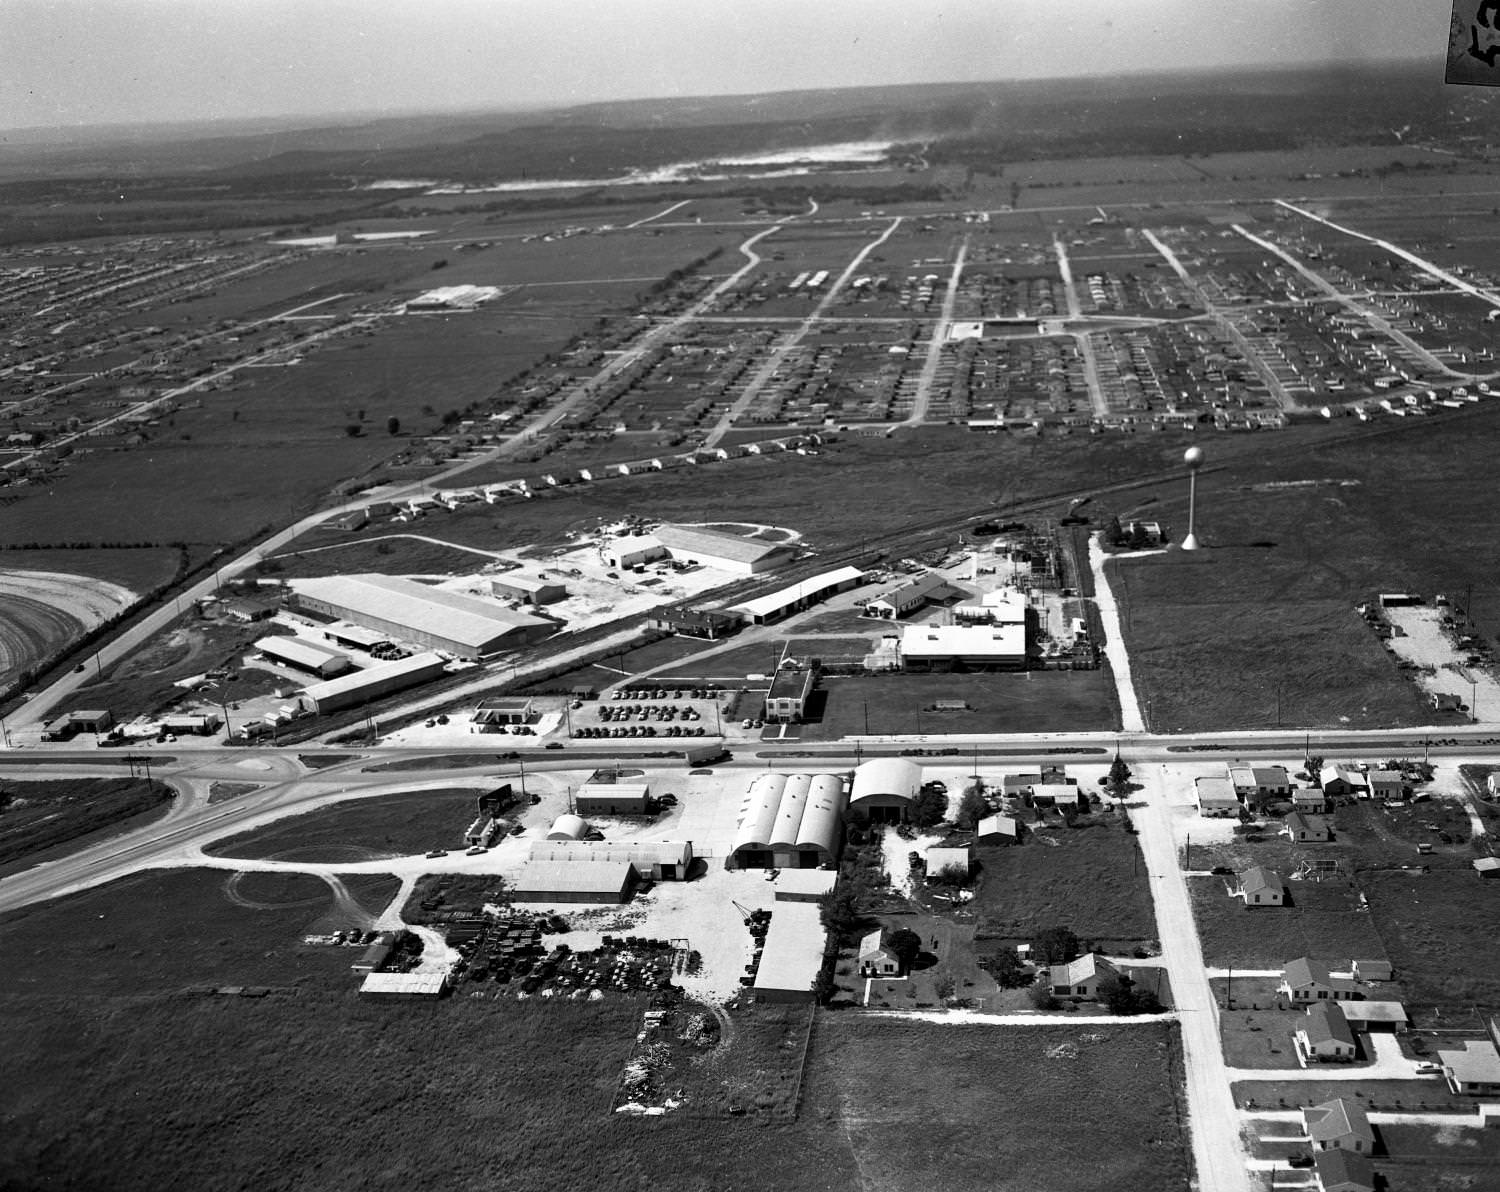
(1008, 969)
(905, 946)
(1118, 779)
(1041, 993)
(1315, 770)
(953, 875)
(1121, 995)
(1056, 945)
(972, 807)
(930, 807)
(841, 912)
(393, 425)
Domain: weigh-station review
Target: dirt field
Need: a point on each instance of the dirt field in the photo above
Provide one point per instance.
(42, 611)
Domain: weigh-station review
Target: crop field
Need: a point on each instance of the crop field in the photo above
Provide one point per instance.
(1080, 1109)
(1324, 921)
(1088, 878)
(139, 569)
(42, 820)
(1292, 546)
(362, 829)
(1432, 924)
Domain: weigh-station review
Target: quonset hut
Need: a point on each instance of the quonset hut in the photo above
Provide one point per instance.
(790, 821)
(886, 788)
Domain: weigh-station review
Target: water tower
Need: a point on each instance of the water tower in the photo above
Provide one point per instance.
(1193, 458)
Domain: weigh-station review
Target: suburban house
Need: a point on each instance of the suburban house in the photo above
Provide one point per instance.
(998, 829)
(1307, 980)
(1302, 829)
(1342, 782)
(1341, 1125)
(1473, 1070)
(1217, 797)
(1324, 1036)
(1262, 887)
(1079, 979)
(875, 959)
(1343, 1171)
(1387, 785)
(1309, 800)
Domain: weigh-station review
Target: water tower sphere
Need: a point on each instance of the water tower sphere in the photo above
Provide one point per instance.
(1193, 457)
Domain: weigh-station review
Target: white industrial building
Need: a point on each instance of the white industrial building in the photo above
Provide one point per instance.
(613, 798)
(805, 593)
(574, 881)
(886, 788)
(361, 687)
(1004, 606)
(404, 610)
(970, 647)
(792, 954)
(303, 656)
(658, 860)
(790, 821)
(727, 552)
(632, 550)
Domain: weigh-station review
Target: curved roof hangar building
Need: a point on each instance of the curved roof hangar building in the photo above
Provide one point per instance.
(790, 821)
(886, 788)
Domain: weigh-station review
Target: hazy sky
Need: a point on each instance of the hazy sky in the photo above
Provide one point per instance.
(68, 62)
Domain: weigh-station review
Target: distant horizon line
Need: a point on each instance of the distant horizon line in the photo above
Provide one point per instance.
(270, 122)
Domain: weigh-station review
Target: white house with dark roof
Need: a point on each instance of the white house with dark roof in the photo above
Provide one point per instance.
(1079, 980)
(1307, 980)
(1324, 1035)
(1260, 886)
(1306, 829)
(1340, 1124)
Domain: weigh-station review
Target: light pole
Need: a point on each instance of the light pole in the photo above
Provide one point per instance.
(1193, 458)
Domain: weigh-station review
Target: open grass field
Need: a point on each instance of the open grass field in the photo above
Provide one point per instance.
(1294, 542)
(362, 829)
(163, 930)
(1090, 880)
(139, 569)
(47, 819)
(394, 553)
(1435, 927)
(1035, 701)
(1324, 921)
(1071, 1109)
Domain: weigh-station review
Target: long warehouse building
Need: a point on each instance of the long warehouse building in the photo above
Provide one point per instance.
(360, 687)
(464, 626)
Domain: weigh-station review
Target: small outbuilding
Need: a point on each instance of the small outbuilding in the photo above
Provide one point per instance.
(1217, 798)
(998, 830)
(1487, 867)
(612, 798)
(569, 827)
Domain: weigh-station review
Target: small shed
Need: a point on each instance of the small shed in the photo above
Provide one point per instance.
(996, 830)
(1372, 970)
(1487, 867)
(569, 827)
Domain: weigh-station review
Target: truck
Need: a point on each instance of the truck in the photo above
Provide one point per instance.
(705, 755)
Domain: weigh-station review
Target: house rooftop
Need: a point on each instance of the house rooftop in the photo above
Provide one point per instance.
(1336, 1119)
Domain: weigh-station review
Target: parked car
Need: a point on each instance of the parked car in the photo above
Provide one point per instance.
(437, 852)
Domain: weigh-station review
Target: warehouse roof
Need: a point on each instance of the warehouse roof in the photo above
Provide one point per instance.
(428, 984)
(971, 641)
(604, 878)
(886, 776)
(635, 852)
(468, 620)
(793, 949)
(714, 542)
(374, 674)
(295, 650)
(774, 602)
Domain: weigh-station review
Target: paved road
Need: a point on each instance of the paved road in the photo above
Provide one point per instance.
(1213, 1120)
(934, 358)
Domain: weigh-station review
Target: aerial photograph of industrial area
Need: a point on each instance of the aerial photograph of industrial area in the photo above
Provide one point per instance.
(864, 597)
